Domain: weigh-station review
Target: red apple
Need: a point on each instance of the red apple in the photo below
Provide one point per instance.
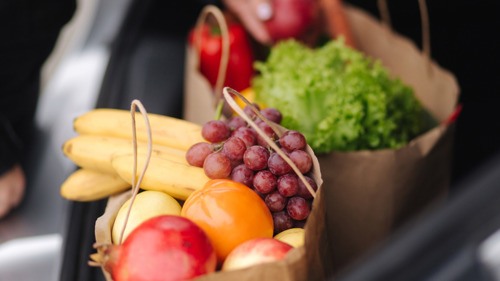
(256, 251)
(165, 247)
(291, 18)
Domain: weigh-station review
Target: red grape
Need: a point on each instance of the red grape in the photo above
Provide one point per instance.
(248, 111)
(298, 208)
(288, 185)
(246, 134)
(242, 174)
(303, 191)
(277, 165)
(234, 148)
(275, 201)
(302, 160)
(217, 166)
(215, 131)
(272, 114)
(264, 181)
(282, 221)
(235, 163)
(267, 130)
(197, 153)
(256, 157)
(234, 122)
(292, 140)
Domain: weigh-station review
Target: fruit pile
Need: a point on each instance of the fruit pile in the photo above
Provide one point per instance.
(189, 211)
(237, 151)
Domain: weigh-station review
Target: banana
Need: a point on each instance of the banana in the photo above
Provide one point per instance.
(166, 130)
(95, 152)
(88, 185)
(176, 179)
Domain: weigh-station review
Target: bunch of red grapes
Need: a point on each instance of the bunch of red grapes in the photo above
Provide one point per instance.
(235, 150)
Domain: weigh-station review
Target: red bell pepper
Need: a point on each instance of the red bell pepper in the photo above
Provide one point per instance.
(240, 65)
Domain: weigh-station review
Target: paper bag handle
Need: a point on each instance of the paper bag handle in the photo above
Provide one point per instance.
(221, 21)
(135, 184)
(424, 18)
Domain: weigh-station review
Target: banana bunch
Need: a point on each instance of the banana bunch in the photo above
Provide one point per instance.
(103, 151)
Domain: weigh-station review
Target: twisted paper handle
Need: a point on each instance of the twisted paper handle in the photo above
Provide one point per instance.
(424, 17)
(221, 21)
(136, 184)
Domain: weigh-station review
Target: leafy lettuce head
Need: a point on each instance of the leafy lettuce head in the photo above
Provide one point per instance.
(338, 98)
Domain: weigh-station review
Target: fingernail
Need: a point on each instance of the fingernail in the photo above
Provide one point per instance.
(264, 11)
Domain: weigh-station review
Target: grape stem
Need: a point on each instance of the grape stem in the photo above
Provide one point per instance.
(218, 110)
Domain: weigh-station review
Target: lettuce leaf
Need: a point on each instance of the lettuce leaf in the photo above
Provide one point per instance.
(338, 98)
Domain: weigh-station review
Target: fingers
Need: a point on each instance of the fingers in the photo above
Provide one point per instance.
(264, 10)
(12, 188)
(4, 205)
(17, 191)
(252, 14)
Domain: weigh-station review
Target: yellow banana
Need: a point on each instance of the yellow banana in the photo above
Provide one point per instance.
(166, 130)
(176, 179)
(95, 152)
(88, 185)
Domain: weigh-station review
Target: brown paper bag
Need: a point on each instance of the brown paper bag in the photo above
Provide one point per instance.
(369, 194)
(200, 98)
(308, 262)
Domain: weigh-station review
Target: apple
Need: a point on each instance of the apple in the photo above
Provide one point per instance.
(291, 18)
(162, 248)
(147, 204)
(293, 236)
(256, 251)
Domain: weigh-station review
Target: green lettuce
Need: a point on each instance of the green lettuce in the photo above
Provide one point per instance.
(338, 98)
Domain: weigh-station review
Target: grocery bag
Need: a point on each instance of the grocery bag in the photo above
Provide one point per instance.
(369, 194)
(308, 262)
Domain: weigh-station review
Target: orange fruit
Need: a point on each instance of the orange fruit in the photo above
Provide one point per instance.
(230, 213)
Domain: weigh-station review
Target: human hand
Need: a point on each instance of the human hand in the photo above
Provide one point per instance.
(252, 14)
(12, 187)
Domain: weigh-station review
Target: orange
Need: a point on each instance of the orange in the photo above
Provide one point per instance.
(230, 213)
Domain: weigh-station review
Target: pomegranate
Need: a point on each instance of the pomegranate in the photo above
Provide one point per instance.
(166, 247)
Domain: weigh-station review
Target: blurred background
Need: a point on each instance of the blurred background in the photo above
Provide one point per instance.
(133, 38)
